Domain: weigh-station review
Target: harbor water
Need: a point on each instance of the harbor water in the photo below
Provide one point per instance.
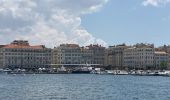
(83, 87)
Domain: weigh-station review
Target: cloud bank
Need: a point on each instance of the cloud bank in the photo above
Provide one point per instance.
(155, 3)
(48, 22)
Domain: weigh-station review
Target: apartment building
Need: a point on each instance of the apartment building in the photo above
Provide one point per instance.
(160, 59)
(71, 54)
(140, 56)
(165, 48)
(98, 54)
(74, 54)
(20, 54)
(116, 55)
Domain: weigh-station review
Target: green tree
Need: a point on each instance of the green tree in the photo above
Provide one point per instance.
(163, 65)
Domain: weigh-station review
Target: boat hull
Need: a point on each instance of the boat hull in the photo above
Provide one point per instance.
(81, 72)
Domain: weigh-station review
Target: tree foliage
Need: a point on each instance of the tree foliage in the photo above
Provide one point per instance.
(163, 65)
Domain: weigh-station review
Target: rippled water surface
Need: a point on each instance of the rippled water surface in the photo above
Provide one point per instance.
(83, 87)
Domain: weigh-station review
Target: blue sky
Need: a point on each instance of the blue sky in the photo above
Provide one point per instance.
(128, 21)
(84, 22)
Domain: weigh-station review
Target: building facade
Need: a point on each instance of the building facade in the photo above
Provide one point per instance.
(71, 54)
(74, 54)
(116, 55)
(140, 56)
(160, 59)
(98, 54)
(165, 48)
(19, 54)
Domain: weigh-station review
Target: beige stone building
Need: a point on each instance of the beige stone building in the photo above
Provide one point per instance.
(165, 48)
(140, 56)
(74, 54)
(71, 54)
(98, 54)
(19, 54)
(160, 57)
(116, 55)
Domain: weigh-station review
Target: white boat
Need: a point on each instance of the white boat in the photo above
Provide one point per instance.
(7, 70)
(62, 70)
(112, 72)
(163, 73)
(1, 71)
(121, 72)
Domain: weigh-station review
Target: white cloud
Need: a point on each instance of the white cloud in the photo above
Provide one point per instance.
(48, 22)
(155, 3)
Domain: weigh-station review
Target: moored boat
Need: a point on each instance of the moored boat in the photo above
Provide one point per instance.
(81, 70)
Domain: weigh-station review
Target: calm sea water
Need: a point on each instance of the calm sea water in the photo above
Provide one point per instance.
(83, 87)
